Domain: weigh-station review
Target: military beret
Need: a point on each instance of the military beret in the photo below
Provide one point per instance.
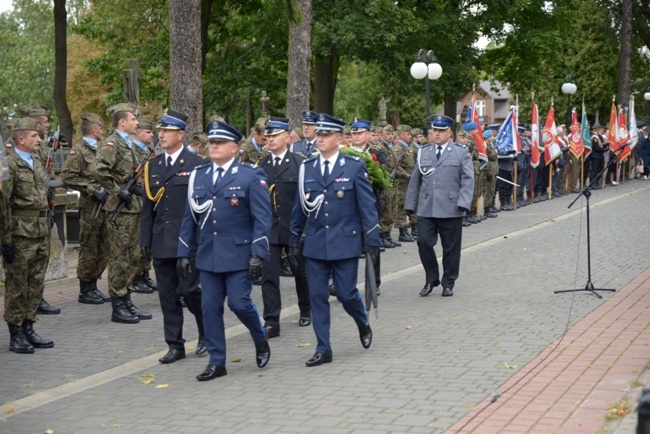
(359, 125)
(487, 134)
(34, 110)
(122, 107)
(261, 123)
(216, 118)
(461, 134)
(389, 129)
(276, 125)
(200, 137)
(347, 130)
(326, 124)
(92, 118)
(469, 126)
(416, 131)
(219, 131)
(297, 128)
(403, 129)
(173, 120)
(145, 124)
(441, 122)
(26, 123)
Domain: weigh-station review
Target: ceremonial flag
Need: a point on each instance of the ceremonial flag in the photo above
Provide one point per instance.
(549, 138)
(472, 115)
(612, 134)
(576, 147)
(586, 133)
(634, 130)
(534, 149)
(507, 139)
(623, 136)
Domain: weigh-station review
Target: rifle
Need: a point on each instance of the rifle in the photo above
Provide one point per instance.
(54, 143)
(131, 182)
(399, 160)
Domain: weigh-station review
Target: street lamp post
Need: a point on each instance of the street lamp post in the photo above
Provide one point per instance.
(569, 89)
(646, 96)
(428, 71)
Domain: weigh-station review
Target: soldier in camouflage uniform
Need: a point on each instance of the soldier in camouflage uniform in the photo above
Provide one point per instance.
(140, 279)
(490, 172)
(115, 163)
(387, 218)
(93, 236)
(199, 145)
(25, 247)
(252, 150)
(405, 162)
(419, 140)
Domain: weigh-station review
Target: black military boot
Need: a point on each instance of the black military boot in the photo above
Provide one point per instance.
(18, 342)
(414, 230)
(87, 294)
(488, 213)
(138, 285)
(33, 337)
(121, 313)
(390, 240)
(404, 236)
(494, 209)
(98, 293)
(148, 281)
(472, 219)
(465, 222)
(134, 310)
(45, 309)
(385, 242)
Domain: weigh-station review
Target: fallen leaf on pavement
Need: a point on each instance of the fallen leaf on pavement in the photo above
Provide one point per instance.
(306, 344)
(509, 366)
(408, 327)
(238, 360)
(162, 386)
(10, 410)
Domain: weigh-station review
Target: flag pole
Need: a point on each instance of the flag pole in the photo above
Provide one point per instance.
(532, 169)
(516, 163)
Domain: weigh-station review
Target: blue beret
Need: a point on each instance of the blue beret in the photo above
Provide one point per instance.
(360, 125)
(309, 117)
(487, 134)
(219, 131)
(441, 122)
(173, 120)
(276, 125)
(469, 125)
(326, 124)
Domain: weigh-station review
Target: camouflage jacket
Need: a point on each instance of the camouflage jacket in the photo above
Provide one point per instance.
(404, 155)
(76, 173)
(248, 153)
(25, 205)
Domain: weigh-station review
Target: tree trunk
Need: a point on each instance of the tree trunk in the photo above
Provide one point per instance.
(450, 106)
(186, 93)
(624, 67)
(299, 71)
(326, 70)
(61, 68)
(206, 10)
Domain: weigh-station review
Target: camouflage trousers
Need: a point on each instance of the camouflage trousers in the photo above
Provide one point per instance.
(121, 262)
(490, 186)
(386, 220)
(478, 188)
(94, 244)
(141, 265)
(25, 279)
(397, 204)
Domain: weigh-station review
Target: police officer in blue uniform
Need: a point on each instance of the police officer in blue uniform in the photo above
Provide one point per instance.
(305, 147)
(229, 206)
(166, 180)
(336, 210)
(441, 189)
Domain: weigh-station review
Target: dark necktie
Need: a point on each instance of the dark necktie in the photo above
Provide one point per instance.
(438, 152)
(169, 163)
(326, 172)
(219, 176)
(276, 161)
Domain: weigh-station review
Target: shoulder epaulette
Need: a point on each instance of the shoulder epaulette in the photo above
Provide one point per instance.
(310, 158)
(249, 165)
(460, 145)
(202, 166)
(351, 157)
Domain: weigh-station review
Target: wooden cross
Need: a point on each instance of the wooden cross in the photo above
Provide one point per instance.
(132, 78)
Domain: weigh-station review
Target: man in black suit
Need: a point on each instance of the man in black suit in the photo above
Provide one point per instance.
(282, 168)
(166, 181)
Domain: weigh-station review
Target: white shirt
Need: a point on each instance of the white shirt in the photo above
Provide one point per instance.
(174, 155)
(273, 157)
(332, 161)
(225, 168)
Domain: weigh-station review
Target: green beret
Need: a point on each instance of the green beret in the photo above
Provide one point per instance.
(145, 124)
(34, 110)
(403, 129)
(122, 107)
(389, 129)
(25, 124)
(92, 118)
(346, 130)
(416, 131)
(461, 133)
(200, 137)
(216, 118)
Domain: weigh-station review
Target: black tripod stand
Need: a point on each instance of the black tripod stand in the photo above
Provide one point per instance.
(586, 192)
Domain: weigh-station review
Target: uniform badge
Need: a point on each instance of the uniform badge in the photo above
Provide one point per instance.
(182, 161)
(72, 152)
(307, 196)
(109, 143)
(234, 201)
(263, 183)
(340, 194)
(159, 163)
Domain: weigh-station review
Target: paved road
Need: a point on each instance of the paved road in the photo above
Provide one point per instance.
(432, 359)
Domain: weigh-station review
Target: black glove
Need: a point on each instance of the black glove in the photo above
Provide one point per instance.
(145, 253)
(125, 197)
(100, 195)
(513, 152)
(373, 251)
(9, 253)
(138, 190)
(409, 212)
(255, 267)
(51, 195)
(463, 209)
(488, 177)
(294, 257)
(183, 267)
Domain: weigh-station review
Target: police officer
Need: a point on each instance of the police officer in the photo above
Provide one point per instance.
(93, 236)
(229, 206)
(166, 179)
(115, 163)
(307, 146)
(281, 169)
(336, 210)
(25, 246)
(441, 188)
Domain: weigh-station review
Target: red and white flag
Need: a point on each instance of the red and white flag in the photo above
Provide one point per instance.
(549, 138)
(576, 147)
(535, 148)
(623, 136)
(478, 137)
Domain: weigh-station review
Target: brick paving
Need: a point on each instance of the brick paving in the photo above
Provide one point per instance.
(433, 364)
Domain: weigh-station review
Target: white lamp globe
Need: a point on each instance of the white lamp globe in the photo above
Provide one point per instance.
(435, 71)
(419, 70)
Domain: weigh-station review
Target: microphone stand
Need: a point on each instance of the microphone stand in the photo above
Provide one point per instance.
(586, 192)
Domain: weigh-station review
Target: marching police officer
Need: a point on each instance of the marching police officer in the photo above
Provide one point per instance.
(306, 146)
(229, 205)
(336, 210)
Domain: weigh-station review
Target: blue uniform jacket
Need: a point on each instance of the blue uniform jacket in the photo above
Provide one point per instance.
(237, 224)
(347, 217)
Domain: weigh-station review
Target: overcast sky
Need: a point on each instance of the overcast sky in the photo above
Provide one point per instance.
(5, 5)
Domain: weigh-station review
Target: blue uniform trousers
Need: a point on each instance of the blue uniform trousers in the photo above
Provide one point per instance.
(237, 287)
(344, 274)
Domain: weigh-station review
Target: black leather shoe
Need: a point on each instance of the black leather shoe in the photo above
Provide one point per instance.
(33, 338)
(305, 319)
(138, 285)
(365, 334)
(272, 331)
(318, 360)
(331, 289)
(447, 292)
(172, 355)
(262, 354)
(211, 372)
(200, 347)
(285, 269)
(45, 309)
(428, 287)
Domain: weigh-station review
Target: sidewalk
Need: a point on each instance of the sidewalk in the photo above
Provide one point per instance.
(433, 365)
